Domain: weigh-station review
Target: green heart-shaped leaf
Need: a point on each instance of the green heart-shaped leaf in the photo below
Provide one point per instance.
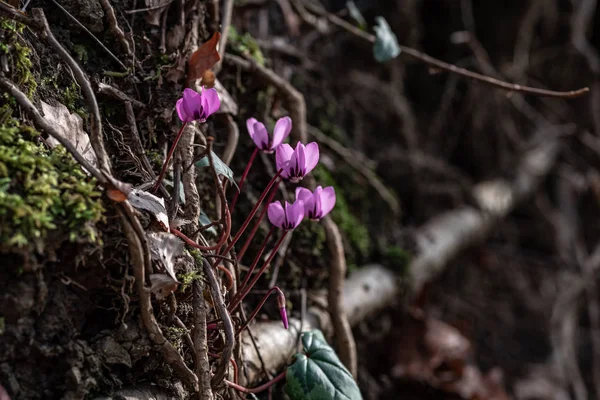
(386, 44)
(220, 167)
(318, 373)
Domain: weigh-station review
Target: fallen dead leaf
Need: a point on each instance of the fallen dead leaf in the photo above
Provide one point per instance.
(430, 351)
(162, 285)
(117, 191)
(204, 58)
(154, 205)
(71, 127)
(165, 248)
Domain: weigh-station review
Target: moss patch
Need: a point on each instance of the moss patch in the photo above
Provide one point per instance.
(44, 195)
(245, 45)
(18, 54)
(355, 232)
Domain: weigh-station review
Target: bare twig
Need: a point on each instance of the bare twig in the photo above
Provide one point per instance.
(109, 90)
(86, 30)
(200, 341)
(115, 28)
(294, 98)
(227, 324)
(337, 273)
(169, 352)
(96, 138)
(41, 123)
(360, 163)
(434, 62)
(144, 165)
(225, 24)
(233, 135)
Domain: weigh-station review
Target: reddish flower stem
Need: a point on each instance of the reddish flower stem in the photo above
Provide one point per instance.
(244, 175)
(224, 236)
(252, 213)
(257, 389)
(254, 263)
(257, 309)
(257, 224)
(163, 171)
(245, 290)
(228, 275)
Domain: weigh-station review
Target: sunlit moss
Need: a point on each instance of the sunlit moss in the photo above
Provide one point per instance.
(246, 45)
(44, 195)
(19, 55)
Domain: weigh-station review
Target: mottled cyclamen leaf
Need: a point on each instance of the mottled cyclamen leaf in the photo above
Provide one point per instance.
(318, 373)
(386, 44)
(221, 168)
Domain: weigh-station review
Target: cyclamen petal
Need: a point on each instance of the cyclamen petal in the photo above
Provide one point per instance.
(195, 106)
(288, 216)
(259, 135)
(261, 138)
(283, 127)
(327, 200)
(276, 214)
(317, 204)
(298, 163)
(282, 158)
(312, 156)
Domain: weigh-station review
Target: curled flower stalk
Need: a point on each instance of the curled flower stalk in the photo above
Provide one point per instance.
(193, 106)
(280, 305)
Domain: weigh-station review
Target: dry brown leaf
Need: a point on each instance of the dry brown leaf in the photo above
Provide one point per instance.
(154, 205)
(204, 58)
(433, 352)
(117, 191)
(71, 128)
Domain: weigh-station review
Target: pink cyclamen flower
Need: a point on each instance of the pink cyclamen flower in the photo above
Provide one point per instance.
(297, 163)
(288, 216)
(194, 106)
(317, 204)
(261, 137)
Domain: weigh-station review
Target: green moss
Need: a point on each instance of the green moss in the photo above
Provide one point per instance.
(44, 195)
(245, 45)
(174, 335)
(81, 52)
(311, 235)
(2, 325)
(19, 55)
(187, 278)
(72, 99)
(355, 232)
(397, 258)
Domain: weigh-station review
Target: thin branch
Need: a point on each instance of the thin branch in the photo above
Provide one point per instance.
(360, 163)
(295, 99)
(227, 323)
(41, 123)
(96, 138)
(169, 352)
(86, 30)
(108, 90)
(115, 28)
(337, 273)
(434, 62)
(225, 24)
(200, 341)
